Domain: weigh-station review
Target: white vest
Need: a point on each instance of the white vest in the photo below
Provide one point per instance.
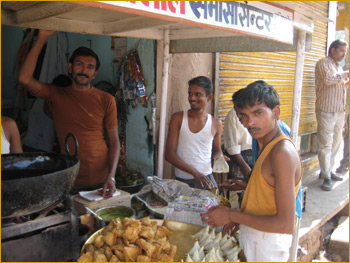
(5, 144)
(195, 148)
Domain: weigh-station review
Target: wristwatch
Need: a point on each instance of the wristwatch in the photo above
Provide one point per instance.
(111, 178)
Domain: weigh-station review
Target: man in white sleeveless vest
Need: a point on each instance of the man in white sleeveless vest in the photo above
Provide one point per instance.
(194, 138)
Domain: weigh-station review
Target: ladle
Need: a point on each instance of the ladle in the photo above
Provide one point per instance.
(92, 212)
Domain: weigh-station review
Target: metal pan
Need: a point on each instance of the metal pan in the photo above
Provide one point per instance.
(31, 182)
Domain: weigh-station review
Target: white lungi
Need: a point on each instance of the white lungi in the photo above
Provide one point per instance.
(261, 246)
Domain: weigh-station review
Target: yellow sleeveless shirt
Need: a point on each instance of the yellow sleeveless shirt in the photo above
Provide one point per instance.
(259, 197)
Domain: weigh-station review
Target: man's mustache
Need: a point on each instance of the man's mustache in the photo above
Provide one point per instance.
(253, 129)
(83, 75)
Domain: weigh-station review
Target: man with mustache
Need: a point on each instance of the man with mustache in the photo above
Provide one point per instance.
(194, 138)
(266, 217)
(331, 87)
(82, 110)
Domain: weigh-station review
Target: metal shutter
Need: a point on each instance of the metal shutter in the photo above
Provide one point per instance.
(238, 69)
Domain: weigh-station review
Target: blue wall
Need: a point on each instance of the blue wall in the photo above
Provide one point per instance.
(139, 152)
(139, 147)
(11, 38)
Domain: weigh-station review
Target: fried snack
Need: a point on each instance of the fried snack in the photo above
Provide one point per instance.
(90, 248)
(109, 238)
(120, 255)
(131, 234)
(114, 258)
(166, 257)
(146, 221)
(131, 240)
(166, 246)
(99, 257)
(98, 242)
(172, 251)
(167, 225)
(223, 201)
(118, 247)
(147, 233)
(118, 232)
(108, 253)
(109, 227)
(154, 226)
(131, 253)
(162, 232)
(146, 246)
(143, 258)
(87, 257)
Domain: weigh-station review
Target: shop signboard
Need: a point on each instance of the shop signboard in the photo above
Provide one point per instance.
(255, 18)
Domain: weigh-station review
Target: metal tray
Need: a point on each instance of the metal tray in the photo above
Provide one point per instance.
(154, 204)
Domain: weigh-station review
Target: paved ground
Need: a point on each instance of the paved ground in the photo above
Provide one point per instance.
(321, 210)
(321, 205)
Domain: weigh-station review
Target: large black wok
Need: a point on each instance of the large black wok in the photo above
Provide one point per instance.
(31, 182)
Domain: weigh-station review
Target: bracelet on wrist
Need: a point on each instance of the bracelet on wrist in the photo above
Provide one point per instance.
(111, 178)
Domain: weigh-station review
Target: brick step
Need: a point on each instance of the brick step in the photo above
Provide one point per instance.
(339, 242)
(310, 163)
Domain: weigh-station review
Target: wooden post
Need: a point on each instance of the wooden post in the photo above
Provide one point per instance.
(298, 85)
(163, 106)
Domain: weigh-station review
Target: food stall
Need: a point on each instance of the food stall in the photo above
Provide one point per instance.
(170, 23)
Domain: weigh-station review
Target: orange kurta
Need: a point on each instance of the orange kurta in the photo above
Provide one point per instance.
(259, 197)
(85, 114)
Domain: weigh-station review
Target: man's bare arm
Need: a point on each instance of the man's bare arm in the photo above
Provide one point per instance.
(113, 159)
(242, 163)
(217, 139)
(26, 72)
(12, 133)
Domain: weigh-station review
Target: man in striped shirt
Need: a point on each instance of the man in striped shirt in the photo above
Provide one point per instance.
(331, 83)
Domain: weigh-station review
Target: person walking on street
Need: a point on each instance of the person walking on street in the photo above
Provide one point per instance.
(331, 82)
(344, 163)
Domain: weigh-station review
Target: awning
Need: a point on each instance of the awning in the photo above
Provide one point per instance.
(148, 19)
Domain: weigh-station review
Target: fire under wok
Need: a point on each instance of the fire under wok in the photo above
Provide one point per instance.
(31, 182)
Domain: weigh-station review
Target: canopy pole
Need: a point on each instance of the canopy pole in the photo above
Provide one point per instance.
(298, 85)
(163, 105)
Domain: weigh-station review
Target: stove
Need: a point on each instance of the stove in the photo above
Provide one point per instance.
(49, 235)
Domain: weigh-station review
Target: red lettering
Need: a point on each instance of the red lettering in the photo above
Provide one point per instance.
(146, 3)
(156, 4)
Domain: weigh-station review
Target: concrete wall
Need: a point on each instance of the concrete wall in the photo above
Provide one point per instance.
(139, 145)
(11, 38)
(182, 68)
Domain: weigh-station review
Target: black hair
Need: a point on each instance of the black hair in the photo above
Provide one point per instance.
(203, 82)
(235, 95)
(62, 80)
(335, 44)
(85, 52)
(256, 93)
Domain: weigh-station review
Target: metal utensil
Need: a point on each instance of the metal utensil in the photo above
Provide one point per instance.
(92, 212)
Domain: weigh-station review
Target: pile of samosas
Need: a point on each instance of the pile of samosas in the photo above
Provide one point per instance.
(130, 240)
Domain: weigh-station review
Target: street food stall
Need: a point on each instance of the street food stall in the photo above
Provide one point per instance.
(177, 26)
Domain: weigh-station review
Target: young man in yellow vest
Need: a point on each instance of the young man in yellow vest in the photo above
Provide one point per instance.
(267, 217)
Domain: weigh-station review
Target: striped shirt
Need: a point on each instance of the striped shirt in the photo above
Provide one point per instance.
(330, 87)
